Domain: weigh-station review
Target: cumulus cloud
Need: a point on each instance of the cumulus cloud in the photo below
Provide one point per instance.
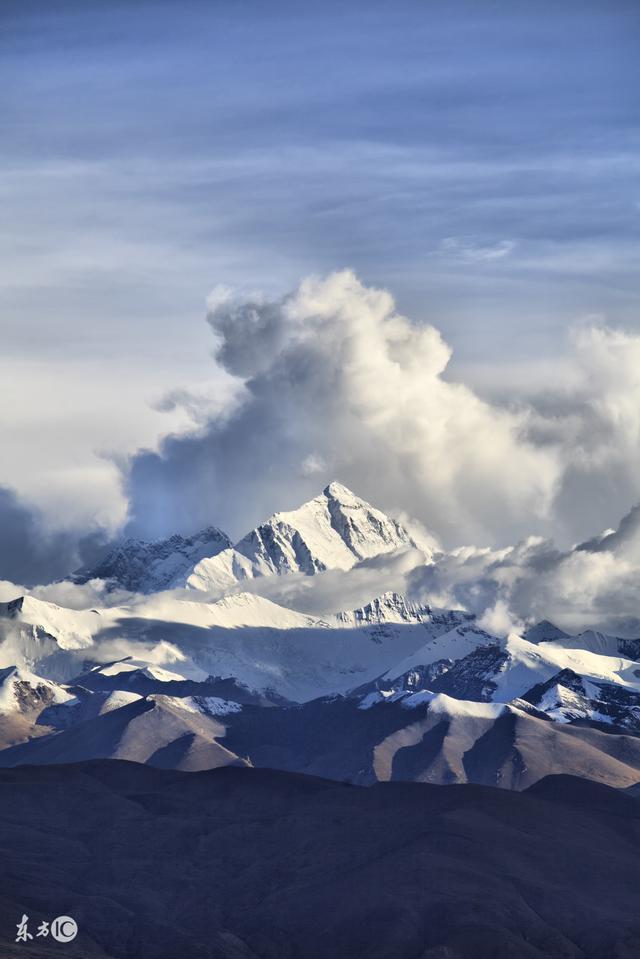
(499, 620)
(596, 423)
(337, 383)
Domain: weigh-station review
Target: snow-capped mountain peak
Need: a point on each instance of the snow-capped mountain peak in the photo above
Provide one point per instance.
(390, 607)
(41, 621)
(334, 530)
(341, 494)
(147, 567)
(21, 691)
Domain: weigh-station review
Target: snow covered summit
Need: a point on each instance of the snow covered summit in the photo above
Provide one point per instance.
(148, 567)
(335, 530)
(21, 691)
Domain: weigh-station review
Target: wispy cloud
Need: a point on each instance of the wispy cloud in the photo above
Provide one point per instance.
(474, 249)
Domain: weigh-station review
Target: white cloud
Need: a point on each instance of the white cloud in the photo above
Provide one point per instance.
(592, 585)
(499, 620)
(337, 383)
(335, 369)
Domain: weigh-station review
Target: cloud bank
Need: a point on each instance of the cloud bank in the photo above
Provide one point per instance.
(592, 585)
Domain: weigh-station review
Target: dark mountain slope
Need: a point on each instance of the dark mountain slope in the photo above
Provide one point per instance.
(237, 864)
(158, 730)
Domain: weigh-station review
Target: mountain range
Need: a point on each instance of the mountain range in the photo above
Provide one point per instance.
(203, 657)
(144, 567)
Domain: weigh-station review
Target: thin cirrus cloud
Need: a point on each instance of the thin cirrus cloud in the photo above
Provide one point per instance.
(474, 249)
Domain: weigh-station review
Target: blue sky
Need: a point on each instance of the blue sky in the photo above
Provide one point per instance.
(478, 159)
